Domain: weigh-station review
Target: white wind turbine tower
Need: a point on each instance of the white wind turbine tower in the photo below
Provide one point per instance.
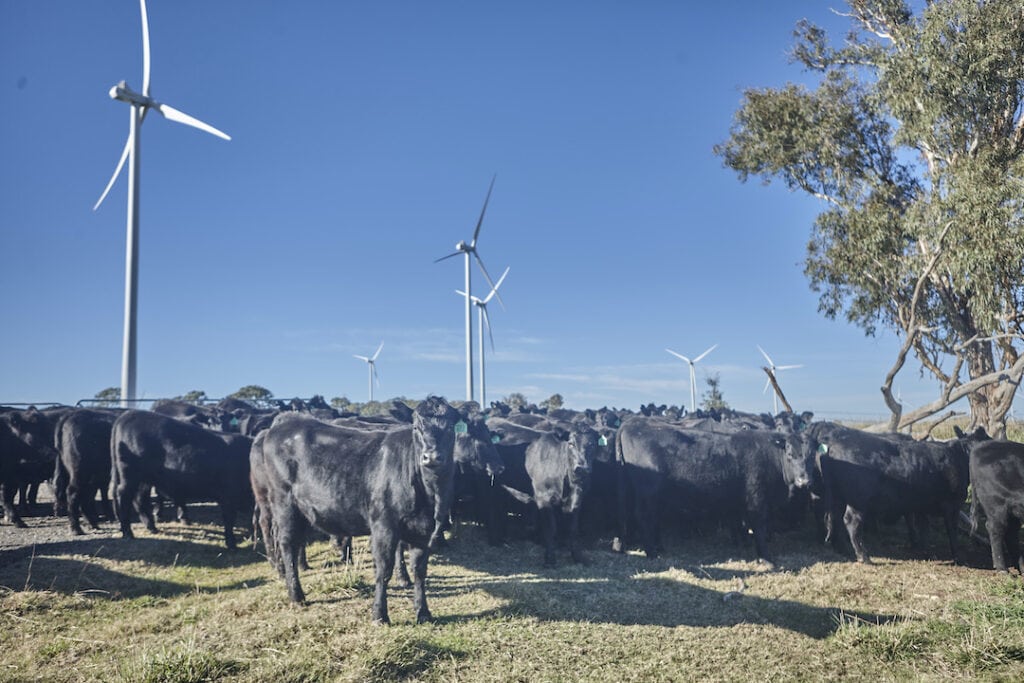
(467, 250)
(371, 363)
(140, 103)
(772, 369)
(693, 376)
(483, 319)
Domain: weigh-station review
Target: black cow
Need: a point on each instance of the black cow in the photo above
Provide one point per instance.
(19, 462)
(83, 468)
(182, 462)
(997, 487)
(558, 465)
(395, 485)
(209, 417)
(30, 461)
(867, 476)
(739, 477)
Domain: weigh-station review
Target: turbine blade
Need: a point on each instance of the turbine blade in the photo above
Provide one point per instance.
(361, 358)
(678, 355)
(117, 172)
(145, 48)
(788, 367)
(767, 384)
(460, 292)
(495, 290)
(480, 222)
(697, 359)
(179, 116)
(480, 262)
(377, 352)
(438, 260)
(766, 356)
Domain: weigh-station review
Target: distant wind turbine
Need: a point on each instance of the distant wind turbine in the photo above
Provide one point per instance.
(372, 367)
(772, 369)
(693, 376)
(484, 319)
(140, 104)
(467, 250)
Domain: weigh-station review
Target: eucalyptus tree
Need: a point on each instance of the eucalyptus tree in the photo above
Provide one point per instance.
(912, 137)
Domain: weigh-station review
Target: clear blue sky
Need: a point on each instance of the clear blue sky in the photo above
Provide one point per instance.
(364, 138)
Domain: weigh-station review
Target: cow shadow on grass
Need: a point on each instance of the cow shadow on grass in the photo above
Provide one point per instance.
(631, 589)
(87, 577)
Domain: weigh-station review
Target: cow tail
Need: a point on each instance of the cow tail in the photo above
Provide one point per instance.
(60, 473)
(114, 476)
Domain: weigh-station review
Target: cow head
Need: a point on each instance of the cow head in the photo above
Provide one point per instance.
(434, 425)
(584, 447)
(35, 430)
(798, 464)
(474, 446)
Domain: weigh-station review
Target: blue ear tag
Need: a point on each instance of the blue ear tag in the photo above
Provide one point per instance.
(823, 449)
(495, 438)
(461, 427)
(603, 441)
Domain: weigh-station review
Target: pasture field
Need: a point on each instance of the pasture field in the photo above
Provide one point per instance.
(178, 606)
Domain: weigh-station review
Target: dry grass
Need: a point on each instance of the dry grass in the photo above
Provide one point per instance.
(178, 607)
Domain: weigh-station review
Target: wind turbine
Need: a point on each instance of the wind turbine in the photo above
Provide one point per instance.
(483, 319)
(693, 377)
(772, 368)
(140, 103)
(371, 364)
(467, 250)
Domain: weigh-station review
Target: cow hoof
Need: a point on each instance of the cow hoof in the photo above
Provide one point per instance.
(77, 531)
(424, 617)
(381, 621)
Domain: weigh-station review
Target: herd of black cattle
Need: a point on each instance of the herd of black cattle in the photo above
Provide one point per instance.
(401, 478)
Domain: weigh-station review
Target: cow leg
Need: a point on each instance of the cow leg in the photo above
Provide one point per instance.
(647, 522)
(997, 539)
(108, 508)
(303, 560)
(227, 512)
(401, 574)
(123, 497)
(949, 517)
(418, 558)
(60, 488)
(7, 491)
(759, 526)
(87, 503)
(547, 529)
(854, 521)
(383, 542)
(290, 535)
(574, 537)
(75, 508)
(1013, 543)
(144, 509)
(344, 546)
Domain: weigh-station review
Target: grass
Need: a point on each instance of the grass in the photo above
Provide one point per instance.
(179, 607)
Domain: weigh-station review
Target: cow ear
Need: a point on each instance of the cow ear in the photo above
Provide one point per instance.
(959, 432)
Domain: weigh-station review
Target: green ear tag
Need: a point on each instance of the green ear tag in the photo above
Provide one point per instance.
(603, 441)
(234, 422)
(461, 427)
(823, 449)
(495, 438)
